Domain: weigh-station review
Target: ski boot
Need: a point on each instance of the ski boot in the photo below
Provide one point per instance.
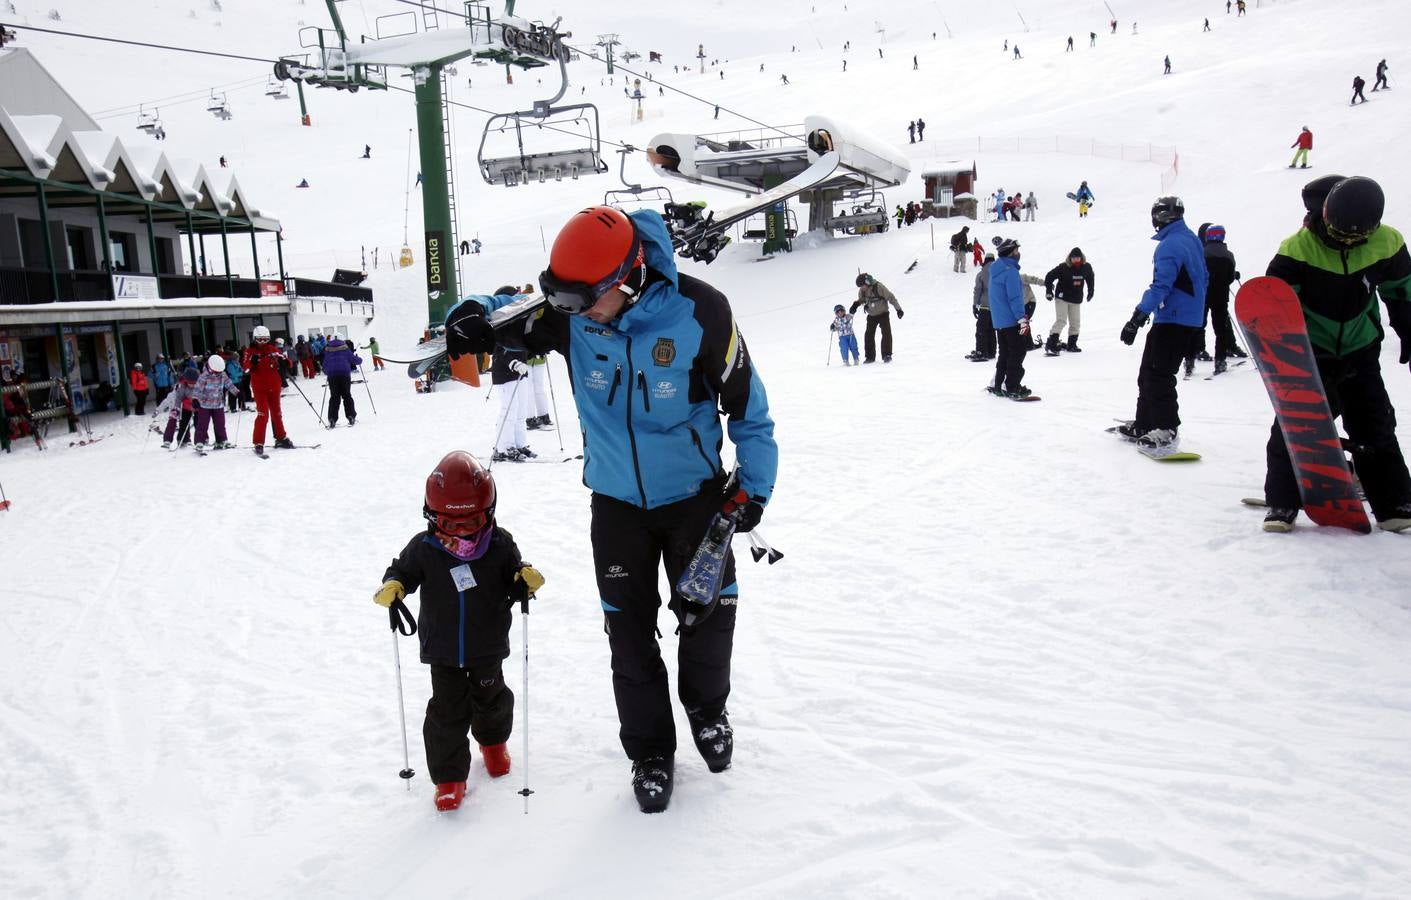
(715, 740)
(1400, 520)
(1190, 366)
(1237, 353)
(651, 782)
(166, 445)
(224, 445)
(497, 759)
(886, 359)
(1131, 430)
(1051, 348)
(284, 443)
(1159, 439)
(1203, 356)
(526, 453)
(1279, 520)
(1073, 344)
(1019, 393)
(544, 421)
(449, 795)
(1221, 367)
(532, 423)
(510, 455)
(352, 420)
(259, 449)
(202, 447)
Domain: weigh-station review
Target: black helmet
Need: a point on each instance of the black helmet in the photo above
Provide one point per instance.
(1166, 210)
(1316, 191)
(1353, 210)
(840, 308)
(862, 278)
(1007, 247)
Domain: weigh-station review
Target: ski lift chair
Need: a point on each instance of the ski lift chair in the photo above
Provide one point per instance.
(634, 193)
(524, 167)
(276, 89)
(146, 121)
(218, 107)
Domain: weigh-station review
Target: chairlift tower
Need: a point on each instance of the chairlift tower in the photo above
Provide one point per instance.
(332, 60)
(607, 42)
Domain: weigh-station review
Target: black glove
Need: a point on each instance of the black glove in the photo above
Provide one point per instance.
(1048, 295)
(1129, 331)
(976, 311)
(900, 312)
(746, 509)
(468, 331)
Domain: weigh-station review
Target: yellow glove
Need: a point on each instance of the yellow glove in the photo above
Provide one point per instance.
(389, 593)
(532, 578)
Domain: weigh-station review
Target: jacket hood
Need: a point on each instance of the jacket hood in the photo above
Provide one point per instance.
(1078, 253)
(656, 243)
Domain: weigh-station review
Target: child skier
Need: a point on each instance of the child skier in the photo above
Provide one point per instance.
(179, 402)
(209, 401)
(847, 341)
(469, 572)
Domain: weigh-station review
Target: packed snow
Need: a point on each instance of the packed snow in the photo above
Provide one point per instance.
(1004, 655)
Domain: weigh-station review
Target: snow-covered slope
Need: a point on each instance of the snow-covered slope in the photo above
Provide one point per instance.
(1003, 657)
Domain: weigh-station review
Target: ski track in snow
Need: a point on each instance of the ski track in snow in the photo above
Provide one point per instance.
(1004, 657)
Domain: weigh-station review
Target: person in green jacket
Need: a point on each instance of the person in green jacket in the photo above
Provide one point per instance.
(1338, 263)
(376, 359)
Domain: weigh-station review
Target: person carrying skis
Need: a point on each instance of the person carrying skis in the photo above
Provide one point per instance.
(960, 248)
(265, 364)
(1304, 143)
(1220, 264)
(1381, 81)
(842, 327)
(209, 399)
(1338, 264)
(339, 361)
(619, 311)
(874, 297)
(980, 305)
(137, 380)
(1011, 323)
(1064, 284)
(469, 573)
(1177, 297)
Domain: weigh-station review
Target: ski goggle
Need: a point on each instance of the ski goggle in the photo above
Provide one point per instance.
(460, 526)
(1348, 238)
(576, 296)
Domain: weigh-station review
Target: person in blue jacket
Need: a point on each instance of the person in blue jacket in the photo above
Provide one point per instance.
(162, 377)
(1010, 320)
(1177, 298)
(655, 357)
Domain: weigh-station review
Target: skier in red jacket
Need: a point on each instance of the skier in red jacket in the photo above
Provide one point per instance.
(265, 363)
(1304, 143)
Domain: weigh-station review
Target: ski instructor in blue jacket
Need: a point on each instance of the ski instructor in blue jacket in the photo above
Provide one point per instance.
(1177, 297)
(655, 358)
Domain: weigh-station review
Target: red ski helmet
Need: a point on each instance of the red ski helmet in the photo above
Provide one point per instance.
(460, 496)
(597, 250)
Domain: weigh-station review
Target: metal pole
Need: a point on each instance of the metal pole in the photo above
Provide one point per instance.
(435, 196)
(549, 373)
(369, 389)
(524, 632)
(406, 772)
(254, 253)
(122, 384)
(48, 244)
(191, 245)
(107, 247)
(225, 252)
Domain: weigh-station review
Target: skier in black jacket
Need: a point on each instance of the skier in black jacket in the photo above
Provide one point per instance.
(469, 572)
(1064, 283)
(1220, 263)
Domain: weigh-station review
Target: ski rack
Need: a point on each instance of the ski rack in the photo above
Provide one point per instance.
(634, 193)
(525, 167)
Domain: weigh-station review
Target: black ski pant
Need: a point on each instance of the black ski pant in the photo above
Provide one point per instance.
(1224, 328)
(985, 334)
(141, 402)
(1356, 393)
(630, 544)
(1009, 365)
(1198, 338)
(340, 387)
(1166, 346)
(473, 700)
(869, 345)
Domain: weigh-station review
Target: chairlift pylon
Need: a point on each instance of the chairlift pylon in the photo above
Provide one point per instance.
(524, 167)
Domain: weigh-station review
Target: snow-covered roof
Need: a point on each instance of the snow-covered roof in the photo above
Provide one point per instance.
(67, 146)
(947, 167)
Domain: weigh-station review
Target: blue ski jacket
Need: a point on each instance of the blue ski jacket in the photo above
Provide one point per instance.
(1006, 292)
(650, 387)
(161, 375)
(1179, 277)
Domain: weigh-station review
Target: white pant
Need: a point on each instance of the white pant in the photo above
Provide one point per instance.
(509, 428)
(1070, 314)
(539, 377)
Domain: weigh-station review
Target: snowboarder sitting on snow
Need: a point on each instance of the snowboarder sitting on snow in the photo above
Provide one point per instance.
(470, 574)
(1177, 296)
(874, 296)
(1338, 264)
(842, 327)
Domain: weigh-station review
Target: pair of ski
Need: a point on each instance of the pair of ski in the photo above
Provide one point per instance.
(699, 585)
(264, 455)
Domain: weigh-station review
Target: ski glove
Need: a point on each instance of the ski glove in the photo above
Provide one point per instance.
(518, 367)
(468, 331)
(1129, 331)
(1023, 326)
(746, 509)
(976, 311)
(527, 582)
(900, 312)
(1048, 295)
(389, 593)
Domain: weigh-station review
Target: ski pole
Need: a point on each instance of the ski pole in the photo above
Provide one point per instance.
(553, 401)
(403, 623)
(829, 357)
(5, 504)
(509, 410)
(369, 390)
(524, 633)
(306, 400)
(323, 397)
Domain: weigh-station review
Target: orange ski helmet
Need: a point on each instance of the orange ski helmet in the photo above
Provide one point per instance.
(596, 251)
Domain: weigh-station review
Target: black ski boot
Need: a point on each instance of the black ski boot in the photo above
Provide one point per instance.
(715, 740)
(651, 782)
(1051, 348)
(1279, 520)
(1073, 343)
(284, 444)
